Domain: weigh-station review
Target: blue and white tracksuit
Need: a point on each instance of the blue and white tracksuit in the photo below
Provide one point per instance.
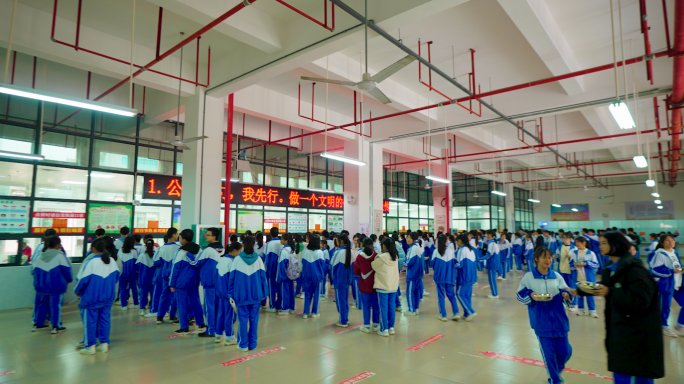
(163, 260)
(271, 256)
(548, 319)
(260, 251)
(518, 248)
(323, 294)
(414, 277)
(313, 274)
(662, 267)
(51, 271)
(444, 275)
(128, 281)
(38, 297)
(400, 264)
(247, 286)
(207, 261)
(595, 247)
(466, 278)
(590, 263)
(528, 254)
(145, 269)
(285, 285)
(185, 280)
(118, 243)
(97, 288)
(342, 278)
(492, 263)
(651, 250)
(225, 315)
(356, 293)
(505, 258)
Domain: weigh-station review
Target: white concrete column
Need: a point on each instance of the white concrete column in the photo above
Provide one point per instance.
(357, 186)
(376, 183)
(203, 163)
(510, 208)
(441, 194)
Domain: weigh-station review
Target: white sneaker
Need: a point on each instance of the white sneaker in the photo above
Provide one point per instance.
(340, 325)
(281, 313)
(298, 296)
(154, 314)
(581, 312)
(499, 278)
(409, 313)
(124, 308)
(87, 351)
(353, 306)
(315, 315)
(241, 349)
(502, 279)
(365, 329)
(470, 317)
(104, 348)
(593, 314)
(456, 317)
(270, 310)
(383, 333)
(230, 342)
(391, 331)
(669, 332)
(573, 309)
(426, 293)
(493, 297)
(679, 330)
(376, 327)
(135, 306)
(397, 309)
(442, 318)
(218, 339)
(305, 316)
(141, 312)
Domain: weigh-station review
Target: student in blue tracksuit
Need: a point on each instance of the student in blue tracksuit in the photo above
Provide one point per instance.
(400, 263)
(271, 256)
(594, 245)
(466, 276)
(124, 232)
(342, 270)
(414, 274)
(298, 249)
(128, 281)
(427, 253)
(518, 248)
(184, 282)
(583, 261)
(163, 260)
(548, 318)
(286, 289)
(313, 275)
(225, 314)
(504, 256)
(51, 271)
(259, 248)
(96, 288)
(444, 274)
(145, 269)
(36, 253)
(492, 263)
(666, 266)
(651, 250)
(208, 259)
(247, 286)
(356, 250)
(528, 252)
(322, 291)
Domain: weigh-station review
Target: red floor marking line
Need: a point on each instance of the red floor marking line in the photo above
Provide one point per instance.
(357, 378)
(343, 330)
(142, 322)
(290, 314)
(189, 333)
(424, 343)
(486, 286)
(253, 356)
(12, 373)
(538, 363)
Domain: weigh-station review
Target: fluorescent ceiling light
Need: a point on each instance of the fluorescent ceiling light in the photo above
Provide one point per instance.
(657, 201)
(342, 159)
(574, 209)
(499, 193)
(640, 161)
(49, 189)
(556, 205)
(74, 182)
(660, 207)
(101, 175)
(232, 179)
(74, 102)
(621, 115)
(435, 178)
(533, 201)
(650, 183)
(475, 207)
(396, 198)
(655, 194)
(22, 155)
(321, 190)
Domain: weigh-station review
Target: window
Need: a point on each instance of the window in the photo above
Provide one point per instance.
(16, 146)
(524, 210)
(113, 160)
(61, 154)
(15, 179)
(148, 165)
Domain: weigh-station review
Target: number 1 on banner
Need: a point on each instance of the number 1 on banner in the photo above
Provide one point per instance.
(152, 191)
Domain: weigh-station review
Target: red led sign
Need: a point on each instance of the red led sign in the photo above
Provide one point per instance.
(385, 206)
(162, 187)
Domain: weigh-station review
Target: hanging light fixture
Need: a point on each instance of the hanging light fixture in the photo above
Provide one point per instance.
(640, 161)
(650, 183)
(618, 109)
(621, 114)
(657, 201)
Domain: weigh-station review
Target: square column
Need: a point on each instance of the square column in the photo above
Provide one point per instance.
(358, 182)
(203, 162)
(441, 196)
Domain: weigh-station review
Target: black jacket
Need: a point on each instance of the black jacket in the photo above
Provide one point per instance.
(634, 335)
(539, 242)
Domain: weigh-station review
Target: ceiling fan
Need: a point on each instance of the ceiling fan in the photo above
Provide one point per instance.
(370, 83)
(177, 142)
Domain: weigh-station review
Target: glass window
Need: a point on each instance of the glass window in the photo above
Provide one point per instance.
(110, 155)
(403, 224)
(67, 149)
(15, 179)
(12, 145)
(393, 210)
(19, 109)
(61, 183)
(151, 217)
(111, 187)
(152, 160)
(8, 251)
(413, 211)
(179, 169)
(139, 191)
(319, 181)
(276, 177)
(423, 211)
(65, 217)
(403, 209)
(62, 116)
(275, 219)
(317, 222)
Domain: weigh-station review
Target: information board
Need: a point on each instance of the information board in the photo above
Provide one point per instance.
(392, 225)
(109, 217)
(648, 210)
(14, 216)
(162, 187)
(250, 221)
(414, 224)
(570, 212)
(296, 222)
(335, 223)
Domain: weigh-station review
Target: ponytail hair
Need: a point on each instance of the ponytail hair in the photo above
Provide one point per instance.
(100, 245)
(441, 244)
(237, 246)
(248, 244)
(391, 249)
(128, 244)
(344, 239)
(298, 243)
(368, 248)
(149, 245)
(416, 237)
(110, 249)
(259, 239)
(287, 237)
(465, 241)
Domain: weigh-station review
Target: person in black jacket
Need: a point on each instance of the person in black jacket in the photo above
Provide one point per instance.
(634, 340)
(539, 242)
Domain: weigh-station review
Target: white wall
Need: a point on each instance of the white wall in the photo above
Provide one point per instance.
(17, 287)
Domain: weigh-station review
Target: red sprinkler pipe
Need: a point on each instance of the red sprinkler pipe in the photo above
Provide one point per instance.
(647, 42)
(197, 60)
(677, 96)
(667, 27)
(325, 6)
(159, 29)
(169, 52)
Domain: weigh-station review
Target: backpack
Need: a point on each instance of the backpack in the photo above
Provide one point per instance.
(293, 267)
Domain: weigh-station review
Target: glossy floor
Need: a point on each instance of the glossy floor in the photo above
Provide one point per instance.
(143, 353)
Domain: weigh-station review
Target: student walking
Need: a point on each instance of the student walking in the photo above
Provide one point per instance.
(583, 261)
(367, 294)
(568, 274)
(226, 316)
(313, 275)
(666, 266)
(414, 275)
(386, 277)
(184, 283)
(341, 270)
(51, 271)
(163, 260)
(466, 277)
(492, 263)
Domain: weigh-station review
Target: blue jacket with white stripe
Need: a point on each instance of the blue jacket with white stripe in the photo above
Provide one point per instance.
(184, 274)
(128, 260)
(313, 266)
(271, 255)
(247, 279)
(547, 318)
(51, 272)
(145, 268)
(206, 262)
(341, 276)
(96, 283)
(163, 260)
(222, 278)
(467, 269)
(444, 267)
(414, 263)
(283, 263)
(662, 267)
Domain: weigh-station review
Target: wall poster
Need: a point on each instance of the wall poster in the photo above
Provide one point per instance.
(392, 225)
(250, 220)
(14, 216)
(570, 212)
(648, 210)
(109, 217)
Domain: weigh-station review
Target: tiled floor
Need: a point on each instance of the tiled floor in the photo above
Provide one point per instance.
(142, 353)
